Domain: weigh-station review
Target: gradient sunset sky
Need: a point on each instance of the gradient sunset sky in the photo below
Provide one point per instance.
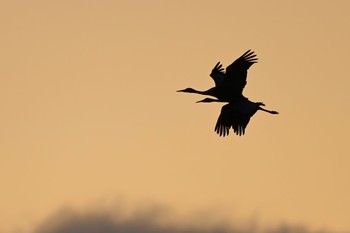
(90, 114)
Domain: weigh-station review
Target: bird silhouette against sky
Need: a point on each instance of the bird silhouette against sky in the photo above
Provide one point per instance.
(229, 87)
(229, 84)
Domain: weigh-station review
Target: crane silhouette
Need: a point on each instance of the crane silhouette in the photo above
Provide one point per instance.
(237, 115)
(229, 86)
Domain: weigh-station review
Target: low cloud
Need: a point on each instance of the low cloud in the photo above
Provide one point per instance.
(149, 221)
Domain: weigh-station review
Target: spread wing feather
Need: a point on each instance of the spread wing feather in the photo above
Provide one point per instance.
(236, 73)
(218, 74)
(229, 117)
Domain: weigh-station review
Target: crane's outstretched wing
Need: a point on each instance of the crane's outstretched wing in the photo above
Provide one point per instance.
(218, 74)
(236, 73)
(230, 116)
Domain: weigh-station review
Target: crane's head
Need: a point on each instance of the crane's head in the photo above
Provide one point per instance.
(208, 100)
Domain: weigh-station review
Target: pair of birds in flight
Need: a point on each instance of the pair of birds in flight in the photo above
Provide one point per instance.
(228, 87)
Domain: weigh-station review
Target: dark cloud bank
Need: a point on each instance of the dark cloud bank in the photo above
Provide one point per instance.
(69, 221)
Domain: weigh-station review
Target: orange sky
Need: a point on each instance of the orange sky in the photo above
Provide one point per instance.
(89, 111)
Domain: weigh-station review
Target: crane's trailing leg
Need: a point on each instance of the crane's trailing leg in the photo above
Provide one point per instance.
(269, 111)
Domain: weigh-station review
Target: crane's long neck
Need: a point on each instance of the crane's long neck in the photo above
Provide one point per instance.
(191, 90)
(207, 92)
(199, 92)
(209, 100)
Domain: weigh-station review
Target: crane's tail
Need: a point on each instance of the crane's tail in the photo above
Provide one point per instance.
(269, 111)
